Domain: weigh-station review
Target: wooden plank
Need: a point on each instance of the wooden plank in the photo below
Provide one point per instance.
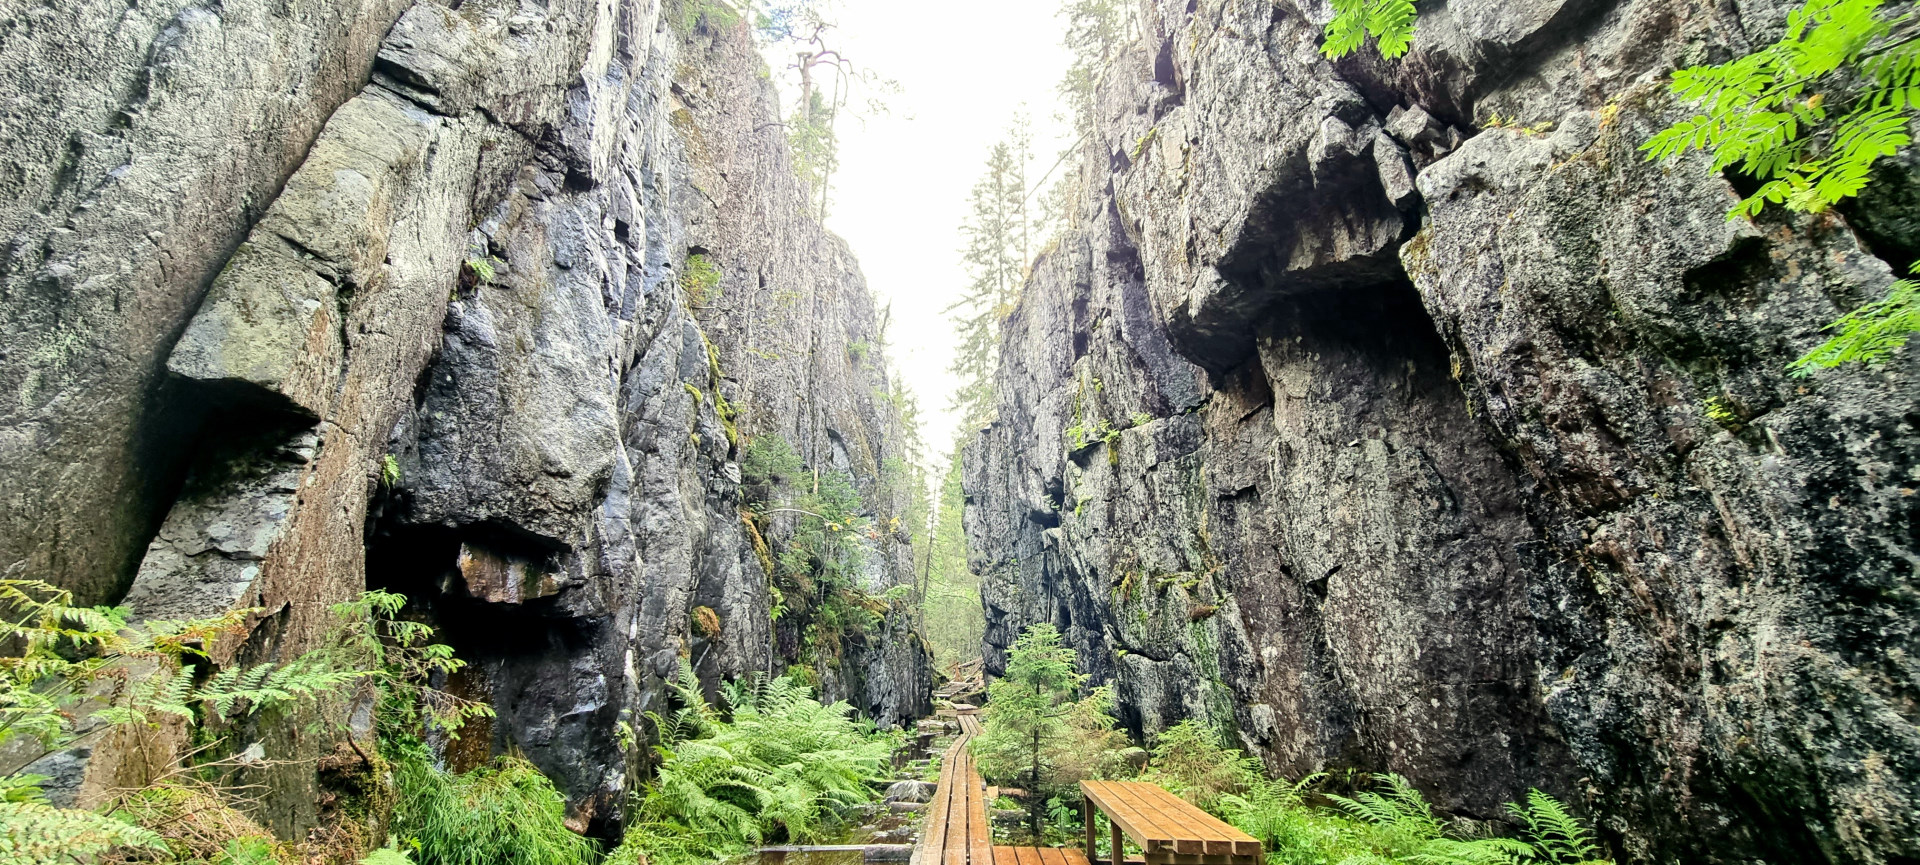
(1190, 824)
(1165, 828)
(1171, 827)
(980, 840)
(933, 839)
(1121, 813)
(1161, 822)
(1070, 856)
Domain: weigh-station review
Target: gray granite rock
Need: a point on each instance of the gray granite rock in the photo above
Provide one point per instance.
(1414, 468)
(444, 350)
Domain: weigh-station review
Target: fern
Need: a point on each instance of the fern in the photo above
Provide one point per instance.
(1389, 22)
(36, 832)
(1766, 115)
(782, 767)
(506, 811)
(1558, 837)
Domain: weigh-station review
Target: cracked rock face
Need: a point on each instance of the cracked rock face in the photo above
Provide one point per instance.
(1379, 437)
(401, 288)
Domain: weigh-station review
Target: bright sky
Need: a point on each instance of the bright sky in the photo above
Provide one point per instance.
(900, 194)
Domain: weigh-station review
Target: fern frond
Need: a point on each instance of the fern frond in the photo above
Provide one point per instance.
(36, 832)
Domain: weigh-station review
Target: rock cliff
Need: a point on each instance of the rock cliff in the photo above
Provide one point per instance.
(480, 302)
(1385, 435)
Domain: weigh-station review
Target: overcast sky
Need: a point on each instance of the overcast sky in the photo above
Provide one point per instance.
(900, 193)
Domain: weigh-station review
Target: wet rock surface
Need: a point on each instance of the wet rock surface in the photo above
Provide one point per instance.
(425, 330)
(1384, 438)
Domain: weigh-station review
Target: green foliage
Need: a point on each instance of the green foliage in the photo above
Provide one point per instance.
(1558, 837)
(1767, 112)
(858, 349)
(82, 670)
(1389, 22)
(503, 812)
(782, 767)
(1721, 411)
(1039, 733)
(1767, 115)
(37, 832)
(1391, 824)
(700, 280)
(819, 558)
(78, 672)
(403, 661)
(389, 471)
(999, 234)
(1870, 333)
(816, 149)
(483, 269)
(1189, 759)
(387, 856)
(719, 15)
(1096, 30)
(769, 461)
(950, 604)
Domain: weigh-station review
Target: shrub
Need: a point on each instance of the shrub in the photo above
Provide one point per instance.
(1189, 760)
(505, 812)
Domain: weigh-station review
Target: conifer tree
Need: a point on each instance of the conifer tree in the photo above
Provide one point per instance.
(1095, 31)
(999, 234)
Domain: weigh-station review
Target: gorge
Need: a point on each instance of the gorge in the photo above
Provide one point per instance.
(1383, 416)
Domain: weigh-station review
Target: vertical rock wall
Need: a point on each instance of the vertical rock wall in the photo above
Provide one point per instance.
(392, 296)
(1380, 436)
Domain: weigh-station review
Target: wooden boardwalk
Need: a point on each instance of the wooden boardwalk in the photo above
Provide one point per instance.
(957, 831)
(1167, 829)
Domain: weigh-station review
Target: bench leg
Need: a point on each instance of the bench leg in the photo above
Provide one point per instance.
(1086, 814)
(1119, 847)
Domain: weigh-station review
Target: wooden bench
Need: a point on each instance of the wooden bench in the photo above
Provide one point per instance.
(1168, 829)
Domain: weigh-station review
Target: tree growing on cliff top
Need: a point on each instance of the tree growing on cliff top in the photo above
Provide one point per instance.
(999, 234)
(1096, 29)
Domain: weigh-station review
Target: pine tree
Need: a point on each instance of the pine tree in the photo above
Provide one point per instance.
(1095, 31)
(1037, 733)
